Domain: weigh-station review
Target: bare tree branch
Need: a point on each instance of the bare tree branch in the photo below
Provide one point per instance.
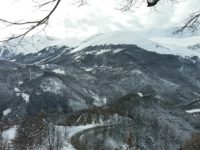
(32, 25)
(46, 3)
(136, 3)
(192, 23)
(82, 2)
(151, 3)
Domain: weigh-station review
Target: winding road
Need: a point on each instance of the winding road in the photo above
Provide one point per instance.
(75, 139)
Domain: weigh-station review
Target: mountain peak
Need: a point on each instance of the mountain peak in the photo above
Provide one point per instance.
(168, 45)
(36, 43)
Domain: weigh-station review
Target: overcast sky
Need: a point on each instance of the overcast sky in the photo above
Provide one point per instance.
(71, 21)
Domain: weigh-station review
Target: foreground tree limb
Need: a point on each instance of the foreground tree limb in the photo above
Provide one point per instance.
(192, 22)
(134, 3)
(152, 3)
(32, 25)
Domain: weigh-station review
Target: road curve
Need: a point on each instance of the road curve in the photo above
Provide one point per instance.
(75, 138)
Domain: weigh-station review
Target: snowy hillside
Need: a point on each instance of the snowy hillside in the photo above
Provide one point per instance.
(185, 47)
(6, 53)
(160, 45)
(184, 42)
(35, 44)
(110, 92)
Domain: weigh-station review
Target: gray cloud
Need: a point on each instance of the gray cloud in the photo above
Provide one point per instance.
(99, 16)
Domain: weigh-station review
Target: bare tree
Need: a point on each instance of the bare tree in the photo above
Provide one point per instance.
(4, 143)
(192, 22)
(193, 143)
(32, 25)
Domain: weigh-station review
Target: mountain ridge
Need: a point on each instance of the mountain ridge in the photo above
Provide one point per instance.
(63, 91)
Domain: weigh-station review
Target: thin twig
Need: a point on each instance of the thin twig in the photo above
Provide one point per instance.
(32, 24)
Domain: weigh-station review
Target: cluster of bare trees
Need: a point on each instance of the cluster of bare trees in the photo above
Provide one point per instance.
(35, 133)
(4, 144)
(193, 143)
(191, 23)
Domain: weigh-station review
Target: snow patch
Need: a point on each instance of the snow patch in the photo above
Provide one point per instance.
(140, 94)
(117, 51)
(77, 104)
(87, 69)
(16, 89)
(115, 144)
(104, 99)
(193, 111)
(112, 143)
(77, 57)
(7, 111)
(10, 133)
(102, 51)
(39, 54)
(59, 71)
(25, 97)
(98, 101)
(42, 67)
(20, 82)
(136, 71)
(105, 67)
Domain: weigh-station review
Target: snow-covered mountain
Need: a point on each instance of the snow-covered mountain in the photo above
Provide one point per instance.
(185, 47)
(174, 46)
(33, 45)
(113, 91)
(6, 53)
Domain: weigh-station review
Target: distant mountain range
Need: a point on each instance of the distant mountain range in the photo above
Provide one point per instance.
(185, 46)
(123, 85)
